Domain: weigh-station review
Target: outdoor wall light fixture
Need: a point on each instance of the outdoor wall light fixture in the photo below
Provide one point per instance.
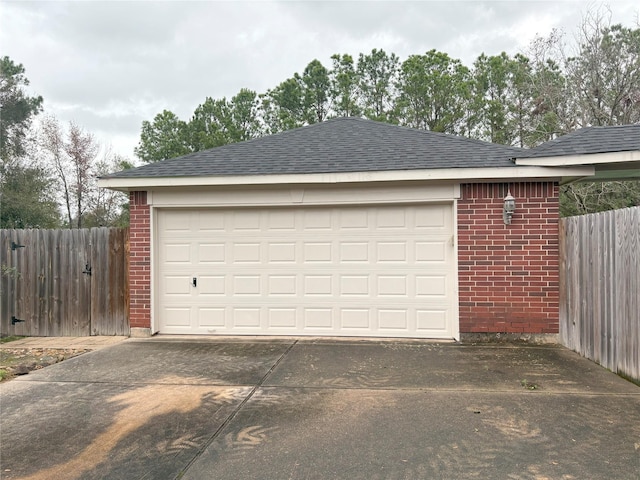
(509, 208)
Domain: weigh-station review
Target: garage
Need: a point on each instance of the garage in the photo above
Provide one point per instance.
(384, 270)
(351, 227)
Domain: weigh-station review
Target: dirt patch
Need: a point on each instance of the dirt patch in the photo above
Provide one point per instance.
(20, 361)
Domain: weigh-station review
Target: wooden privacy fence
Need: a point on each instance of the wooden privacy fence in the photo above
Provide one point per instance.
(64, 282)
(600, 288)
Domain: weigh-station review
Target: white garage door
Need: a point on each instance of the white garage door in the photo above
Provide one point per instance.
(384, 271)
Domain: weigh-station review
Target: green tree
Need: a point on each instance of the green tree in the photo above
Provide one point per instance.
(220, 122)
(283, 106)
(27, 197)
(493, 84)
(516, 102)
(16, 109)
(344, 86)
(210, 125)
(166, 137)
(377, 73)
(434, 91)
(315, 79)
(244, 116)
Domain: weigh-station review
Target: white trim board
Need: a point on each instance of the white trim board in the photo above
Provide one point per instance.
(522, 173)
(234, 196)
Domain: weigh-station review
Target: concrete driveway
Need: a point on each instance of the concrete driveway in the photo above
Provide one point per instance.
(209, 408)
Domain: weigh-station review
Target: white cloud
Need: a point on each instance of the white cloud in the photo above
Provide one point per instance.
(110, 65)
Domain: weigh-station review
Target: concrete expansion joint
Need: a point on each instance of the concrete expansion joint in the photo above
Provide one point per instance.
(237, 410)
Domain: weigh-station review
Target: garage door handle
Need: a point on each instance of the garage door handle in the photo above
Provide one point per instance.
(194, 282)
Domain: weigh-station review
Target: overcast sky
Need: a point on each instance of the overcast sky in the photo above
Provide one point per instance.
(110, 65)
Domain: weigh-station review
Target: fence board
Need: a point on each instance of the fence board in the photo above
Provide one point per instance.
(600, 288)
(52, 291)
(6, 279)
(109, 299)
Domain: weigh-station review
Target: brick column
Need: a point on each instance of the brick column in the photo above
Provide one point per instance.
(508, 274)
(139, 264)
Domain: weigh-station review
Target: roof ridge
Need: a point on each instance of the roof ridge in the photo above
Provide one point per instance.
(422, 131)
(339, 144)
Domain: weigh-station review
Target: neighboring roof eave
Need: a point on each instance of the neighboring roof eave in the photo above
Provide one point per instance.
(458, 175)
(608, 166)
(583, 159)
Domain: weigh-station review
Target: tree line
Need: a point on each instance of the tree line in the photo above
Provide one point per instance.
(48, 170)
(521, 100)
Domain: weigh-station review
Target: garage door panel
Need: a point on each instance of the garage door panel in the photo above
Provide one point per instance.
(243, 317)
(392, 218)
(175, 222)
(212, 285)
(318, 285)
(177, 316)
(368, 271)
(246, 252)
(280, 221)
(317, 252)
(245, 220)
(282, 285)
(393, 319)
(433, 217)
(392, 286)
(211, 317)
(211, 253)
(246, 285)
(355, 286)
(283, 318)
(281, 252)
(391, 251)
(210, 221)
(176, 285)
(353, 219)
(353, 252)
(435, 251)
(317, 318)
(317, 220)
(432, 286)
(431, 320)
(355, 319)
(177, 253)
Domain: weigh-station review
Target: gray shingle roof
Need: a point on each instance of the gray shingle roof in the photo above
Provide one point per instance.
(337, 145)
(590, 140)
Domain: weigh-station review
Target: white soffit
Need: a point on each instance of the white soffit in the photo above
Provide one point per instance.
(454, 174)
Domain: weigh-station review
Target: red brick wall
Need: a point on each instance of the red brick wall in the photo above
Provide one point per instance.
(139, 261)
(508, 274)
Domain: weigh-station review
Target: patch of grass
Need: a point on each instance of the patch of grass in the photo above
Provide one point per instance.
(20, 361)
(529, 385)
(10, 338)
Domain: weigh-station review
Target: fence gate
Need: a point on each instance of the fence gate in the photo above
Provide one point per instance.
(64, 282)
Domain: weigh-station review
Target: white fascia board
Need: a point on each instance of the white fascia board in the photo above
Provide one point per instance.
(587, 159)
(451, 174)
